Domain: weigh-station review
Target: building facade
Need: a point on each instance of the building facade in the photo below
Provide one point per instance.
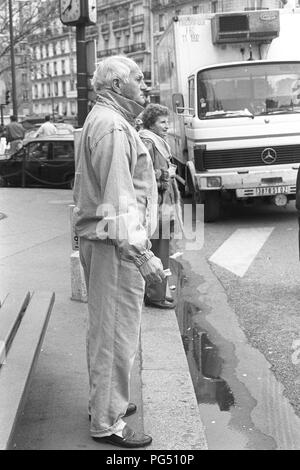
(124, 27)
(53, 71)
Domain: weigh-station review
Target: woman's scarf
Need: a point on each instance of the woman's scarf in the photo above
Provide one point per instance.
(160, 144)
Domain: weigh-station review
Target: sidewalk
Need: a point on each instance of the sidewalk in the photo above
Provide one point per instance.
(35, 249)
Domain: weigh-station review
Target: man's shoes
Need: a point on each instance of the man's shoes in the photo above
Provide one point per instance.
(129, 439)
(167, 303)
(130, 410)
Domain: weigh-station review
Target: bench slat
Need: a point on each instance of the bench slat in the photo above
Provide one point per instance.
(21, 358)
(10, 316)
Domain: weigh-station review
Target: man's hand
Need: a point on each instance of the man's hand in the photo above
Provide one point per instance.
(152, 270)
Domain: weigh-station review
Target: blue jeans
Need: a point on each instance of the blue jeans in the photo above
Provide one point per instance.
(115, 296)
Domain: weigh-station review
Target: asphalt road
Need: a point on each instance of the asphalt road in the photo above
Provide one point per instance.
(240, 318)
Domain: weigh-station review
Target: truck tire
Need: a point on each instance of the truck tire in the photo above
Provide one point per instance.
(212, 206)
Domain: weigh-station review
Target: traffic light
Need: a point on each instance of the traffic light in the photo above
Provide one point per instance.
(7, 97)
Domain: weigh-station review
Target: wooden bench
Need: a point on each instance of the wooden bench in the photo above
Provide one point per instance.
(23, 323)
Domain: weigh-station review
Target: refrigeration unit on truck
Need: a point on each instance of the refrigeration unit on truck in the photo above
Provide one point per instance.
(232, 83)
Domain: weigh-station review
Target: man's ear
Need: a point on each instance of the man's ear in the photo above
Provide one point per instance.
(116, 85)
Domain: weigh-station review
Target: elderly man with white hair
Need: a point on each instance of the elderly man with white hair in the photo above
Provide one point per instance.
(116, 204)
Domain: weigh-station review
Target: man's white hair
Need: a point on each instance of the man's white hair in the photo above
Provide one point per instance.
(111, 68)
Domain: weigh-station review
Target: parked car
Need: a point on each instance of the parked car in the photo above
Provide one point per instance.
(41, 162)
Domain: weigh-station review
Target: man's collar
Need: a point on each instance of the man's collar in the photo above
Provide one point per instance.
(128, 108)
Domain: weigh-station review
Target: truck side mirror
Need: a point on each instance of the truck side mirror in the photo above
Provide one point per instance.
(178, 103)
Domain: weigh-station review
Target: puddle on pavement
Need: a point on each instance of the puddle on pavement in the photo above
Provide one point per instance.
(205, 363)
(226, 418)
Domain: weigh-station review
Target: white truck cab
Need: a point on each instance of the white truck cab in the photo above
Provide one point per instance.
(232, 81)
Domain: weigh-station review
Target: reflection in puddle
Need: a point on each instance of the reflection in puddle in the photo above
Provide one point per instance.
(204, 361)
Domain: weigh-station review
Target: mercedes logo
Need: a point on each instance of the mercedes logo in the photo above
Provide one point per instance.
(268, 156)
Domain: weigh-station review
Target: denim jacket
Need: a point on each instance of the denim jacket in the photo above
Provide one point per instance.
(115, 188)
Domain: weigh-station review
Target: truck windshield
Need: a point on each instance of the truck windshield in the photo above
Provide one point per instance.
(249, 90)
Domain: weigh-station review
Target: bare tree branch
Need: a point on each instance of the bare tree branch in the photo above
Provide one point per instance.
(27, 21)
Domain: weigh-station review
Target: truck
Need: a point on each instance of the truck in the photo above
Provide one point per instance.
(232, 84)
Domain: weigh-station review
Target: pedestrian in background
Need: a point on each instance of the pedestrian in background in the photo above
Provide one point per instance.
(116, 202)
(47, 128)
(15, 133)
(155, 127)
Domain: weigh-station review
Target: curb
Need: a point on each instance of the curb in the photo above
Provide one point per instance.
(170, 408)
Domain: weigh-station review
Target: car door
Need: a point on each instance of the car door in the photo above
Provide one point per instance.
(37, 158)
(11, 169)
(63, 162)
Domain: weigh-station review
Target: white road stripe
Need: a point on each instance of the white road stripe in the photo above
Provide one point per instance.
(240, 249)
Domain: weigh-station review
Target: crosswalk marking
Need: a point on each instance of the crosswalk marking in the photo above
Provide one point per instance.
(238, 252)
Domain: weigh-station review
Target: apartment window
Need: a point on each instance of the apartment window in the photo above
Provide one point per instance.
(55, 68)
(22, 46)
(195, 10)
(54, 48)
(62, 46)
(254, 5)
(214, 7)
(177, 12)
(72, 85)
(63, 67)
(161, 22)
(137, 38)
(43, 90)
(64, 90)
(140, 64)
(25, 96)
(48, 68)
(47, 50)
(56, 88)
(72, 68)
(138, 9)
(24, 77)
(49, 89)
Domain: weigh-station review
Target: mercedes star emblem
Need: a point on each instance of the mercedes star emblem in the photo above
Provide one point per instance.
(269, 156)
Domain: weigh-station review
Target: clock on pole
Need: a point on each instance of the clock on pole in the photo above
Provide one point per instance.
(73, 12)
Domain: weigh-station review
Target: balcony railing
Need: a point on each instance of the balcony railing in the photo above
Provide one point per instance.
(118, 24)
(108, 52)
(157, 4)
(137, 19)
(141, 46)
(119, 50)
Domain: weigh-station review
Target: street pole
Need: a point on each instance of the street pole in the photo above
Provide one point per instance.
(12, 61)
(82, 89)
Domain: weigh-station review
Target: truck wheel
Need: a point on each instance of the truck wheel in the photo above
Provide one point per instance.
(212, 206)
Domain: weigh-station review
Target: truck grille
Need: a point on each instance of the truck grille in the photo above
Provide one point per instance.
(244, 157)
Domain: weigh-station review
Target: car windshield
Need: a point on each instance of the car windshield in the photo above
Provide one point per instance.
(249, 90)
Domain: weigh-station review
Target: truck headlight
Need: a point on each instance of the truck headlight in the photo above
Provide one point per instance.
(214, 181)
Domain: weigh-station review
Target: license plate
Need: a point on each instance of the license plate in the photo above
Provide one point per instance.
(269, 190)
